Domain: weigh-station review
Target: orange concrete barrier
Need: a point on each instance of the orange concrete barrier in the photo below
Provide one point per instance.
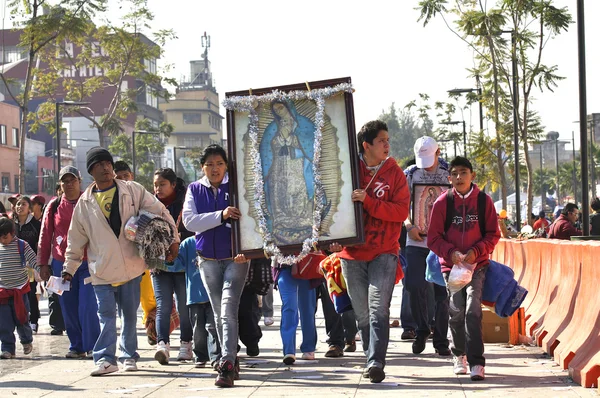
(562, 309)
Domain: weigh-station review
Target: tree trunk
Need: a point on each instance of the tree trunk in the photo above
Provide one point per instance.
(529, 184)
(101, 138)
(499, 154)
(24, 116)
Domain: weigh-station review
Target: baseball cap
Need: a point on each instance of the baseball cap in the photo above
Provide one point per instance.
(39, 199)
(69, 170)
(13, 198)
(425, 151)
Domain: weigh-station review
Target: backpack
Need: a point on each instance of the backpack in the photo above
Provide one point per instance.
(54, 206)
(21, 247)
(481, 208)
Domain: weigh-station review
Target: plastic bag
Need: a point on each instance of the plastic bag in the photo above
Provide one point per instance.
(134, 227)
(460, 276)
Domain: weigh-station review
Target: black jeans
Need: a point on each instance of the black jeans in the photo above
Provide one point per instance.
(465, 319)
(55, 319)
(340, 328)
(418, 290)
(34, 308)
(248, 316)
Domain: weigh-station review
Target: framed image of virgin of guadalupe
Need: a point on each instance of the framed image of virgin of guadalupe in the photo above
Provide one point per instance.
(423, 198)
(293, 164)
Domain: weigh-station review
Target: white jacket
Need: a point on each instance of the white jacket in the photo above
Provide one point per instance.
(110, 260)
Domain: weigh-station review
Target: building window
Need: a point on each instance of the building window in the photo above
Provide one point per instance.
(192, 118)
(11, 54)
(151, 99)
(150, 65)
(192, 142)
(3, 136)
(15, 137)
(16, 183)
(6, 182)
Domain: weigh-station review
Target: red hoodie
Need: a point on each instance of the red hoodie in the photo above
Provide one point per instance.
(53, 236)
(385, 209)
(464, 232)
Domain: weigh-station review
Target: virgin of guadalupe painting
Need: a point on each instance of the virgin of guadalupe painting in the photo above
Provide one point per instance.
(284, 130)
(287, 153)
(424, 196)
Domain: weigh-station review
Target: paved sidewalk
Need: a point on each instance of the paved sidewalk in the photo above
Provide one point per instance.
(519, 371)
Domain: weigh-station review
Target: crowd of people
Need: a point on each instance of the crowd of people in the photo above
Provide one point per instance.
(206, 289)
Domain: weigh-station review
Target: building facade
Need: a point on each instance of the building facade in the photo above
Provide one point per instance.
(78, 132)
(9, 148)
(194, 114)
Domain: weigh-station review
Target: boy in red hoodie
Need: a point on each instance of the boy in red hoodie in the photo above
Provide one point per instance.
(464, 242)
(370, 268)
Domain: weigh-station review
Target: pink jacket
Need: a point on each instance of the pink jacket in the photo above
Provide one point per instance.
(53, 235)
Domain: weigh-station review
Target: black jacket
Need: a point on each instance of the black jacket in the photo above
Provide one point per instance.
(176, 207)
(30, 231)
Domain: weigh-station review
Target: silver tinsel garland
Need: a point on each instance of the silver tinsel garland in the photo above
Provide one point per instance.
(249, 104)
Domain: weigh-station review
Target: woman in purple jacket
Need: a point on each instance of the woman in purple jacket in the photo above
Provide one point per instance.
(206, 211)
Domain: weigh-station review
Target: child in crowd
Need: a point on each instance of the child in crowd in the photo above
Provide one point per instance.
(15, 254)
(206, 340)
(465, 240)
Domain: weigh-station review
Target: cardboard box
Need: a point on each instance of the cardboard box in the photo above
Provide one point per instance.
(495, 328)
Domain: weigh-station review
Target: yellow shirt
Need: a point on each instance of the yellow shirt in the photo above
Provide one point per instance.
(105, 199)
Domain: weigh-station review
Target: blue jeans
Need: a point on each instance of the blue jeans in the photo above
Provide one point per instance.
(465, 319)
(296, 295)
(79, 309)
(421, 305)
(8, 323)
(206, 339)
(224, 281)
(127, 298)
(166, 284)
(370, 287)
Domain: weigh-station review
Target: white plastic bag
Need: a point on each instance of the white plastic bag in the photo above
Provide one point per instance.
(460, 276)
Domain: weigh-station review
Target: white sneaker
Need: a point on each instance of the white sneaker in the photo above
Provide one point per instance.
(129, 365)
(162, 353)
(477, 373)
(185, 351)
(268, 321)
(460, 365)
(308, 356)
(103, 367)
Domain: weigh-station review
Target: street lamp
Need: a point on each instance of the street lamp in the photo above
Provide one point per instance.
(58, 126)
(133, 133)
(479, 95)
(464, 126)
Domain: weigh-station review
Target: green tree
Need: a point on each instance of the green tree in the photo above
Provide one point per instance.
(532, 23)
(43, 24)
(121, 51)
(403, 129)
(148, 149)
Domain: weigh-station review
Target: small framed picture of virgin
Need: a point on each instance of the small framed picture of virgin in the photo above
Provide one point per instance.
(423, 198)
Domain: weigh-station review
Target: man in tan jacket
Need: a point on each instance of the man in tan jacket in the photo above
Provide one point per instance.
(114, 262)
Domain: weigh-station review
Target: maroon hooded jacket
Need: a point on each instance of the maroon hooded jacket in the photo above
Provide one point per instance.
(464, 232)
